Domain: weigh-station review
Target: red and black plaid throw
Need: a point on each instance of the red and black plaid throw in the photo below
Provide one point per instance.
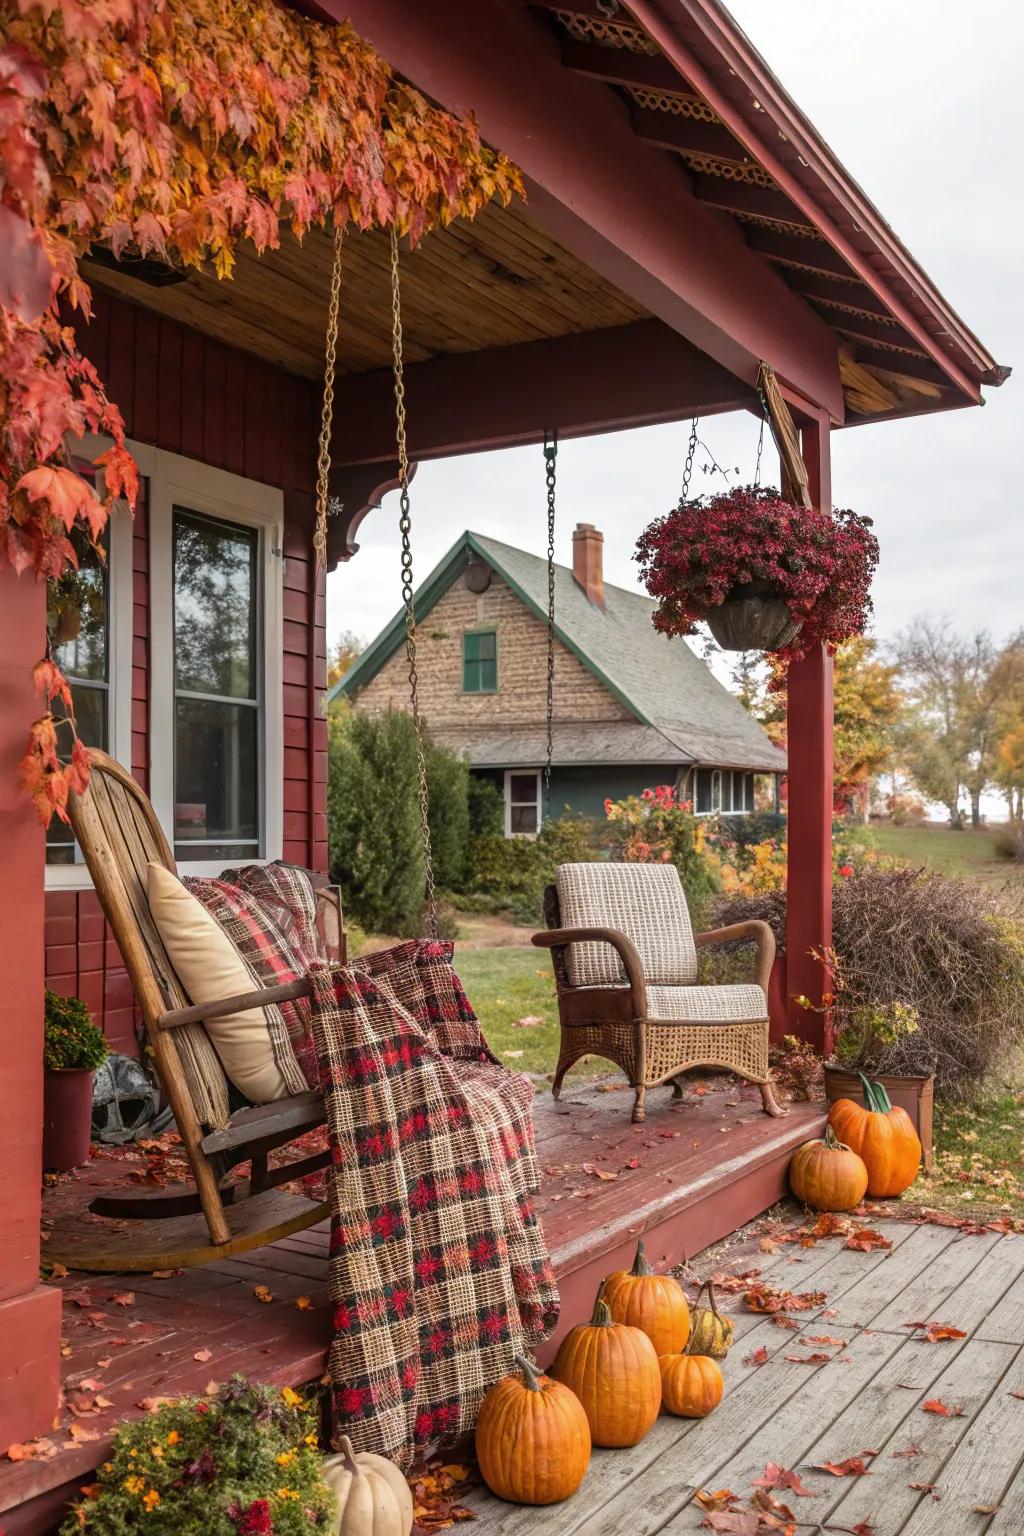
(439, 1274)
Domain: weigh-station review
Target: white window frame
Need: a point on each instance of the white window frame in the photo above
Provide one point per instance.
(120, 602)
(511, 773)
(197, 487)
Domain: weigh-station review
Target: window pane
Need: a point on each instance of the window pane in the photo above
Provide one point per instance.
(480, 662)
(716, 790)
(522, 789)
(216, 780)
(215, 648)
(748, 791)
(703, 791)
(77, 614)
(523, 818)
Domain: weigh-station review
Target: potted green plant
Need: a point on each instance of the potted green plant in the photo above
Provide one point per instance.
(72, 1050)
(866, 1035)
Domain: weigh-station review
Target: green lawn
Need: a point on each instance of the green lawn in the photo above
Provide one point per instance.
(967, 855)
(513, 992)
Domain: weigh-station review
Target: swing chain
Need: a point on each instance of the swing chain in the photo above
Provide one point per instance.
(404, 528)
(760, 447)
(550, 456)
(325, 502)
(691, 449)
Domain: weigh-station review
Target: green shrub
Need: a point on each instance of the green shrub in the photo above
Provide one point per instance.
(486, 808)
(241, 1463)
(657, 827)
(70, 1038)
(513, 871)
(448, 794)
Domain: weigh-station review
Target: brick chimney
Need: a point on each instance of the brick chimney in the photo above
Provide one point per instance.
(588, 562)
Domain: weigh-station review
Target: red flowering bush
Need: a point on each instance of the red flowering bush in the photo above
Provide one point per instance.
(820, 563)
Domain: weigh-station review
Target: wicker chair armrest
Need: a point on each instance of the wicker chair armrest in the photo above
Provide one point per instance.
(557, 938)
(754, 929)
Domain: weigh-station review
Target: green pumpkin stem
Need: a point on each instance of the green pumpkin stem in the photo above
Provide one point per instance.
(640, 1263)
(530, 1374)
(602, 1317)
(875, 1097)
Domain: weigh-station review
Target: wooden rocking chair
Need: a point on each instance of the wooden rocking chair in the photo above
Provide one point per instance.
(625, 960)
(119, 834)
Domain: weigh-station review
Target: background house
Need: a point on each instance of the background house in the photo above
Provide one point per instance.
(632, 707)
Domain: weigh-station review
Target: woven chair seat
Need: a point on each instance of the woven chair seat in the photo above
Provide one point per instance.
(733, 1004)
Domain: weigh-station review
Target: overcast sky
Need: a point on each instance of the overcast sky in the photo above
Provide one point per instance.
(921, 103)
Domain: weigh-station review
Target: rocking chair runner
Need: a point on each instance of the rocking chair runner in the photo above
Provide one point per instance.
(119, 835)
(625, 965)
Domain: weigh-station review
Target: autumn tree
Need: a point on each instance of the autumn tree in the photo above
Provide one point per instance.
(340, 656)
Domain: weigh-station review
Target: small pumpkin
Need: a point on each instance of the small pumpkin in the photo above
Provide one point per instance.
(532, 1438)
(373, 1497)
(691, 1384)
(826, 1175)
(654, 1303)
(883, 1136)
(710, 1332)
(613, 1370)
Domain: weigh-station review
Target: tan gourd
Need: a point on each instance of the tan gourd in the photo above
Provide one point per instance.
(613, 1370)
(532, 1438)
(373, 1497)
(710, 1331)
(654, 1303)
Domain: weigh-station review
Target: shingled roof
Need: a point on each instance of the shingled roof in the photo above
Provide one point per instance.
(683, 713)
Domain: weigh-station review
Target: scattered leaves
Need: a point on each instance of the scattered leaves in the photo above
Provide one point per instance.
(756, 1357)
(936, 1405)
(865, 1239)
(766, 1298)
(853, 1466)
(933, 1332)
(777, 1476)
(262, 1293)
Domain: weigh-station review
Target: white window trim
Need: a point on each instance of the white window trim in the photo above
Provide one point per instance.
(511, 773)
(201, 488)
(120, 603)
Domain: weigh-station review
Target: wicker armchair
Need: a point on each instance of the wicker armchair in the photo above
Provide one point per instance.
(625, 961)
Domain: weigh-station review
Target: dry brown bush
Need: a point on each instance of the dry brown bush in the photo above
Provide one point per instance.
(952, 949)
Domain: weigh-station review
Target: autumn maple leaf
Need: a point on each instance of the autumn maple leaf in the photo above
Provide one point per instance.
(49, 680)
(67, 495)
(777, 1476)
(120, 474)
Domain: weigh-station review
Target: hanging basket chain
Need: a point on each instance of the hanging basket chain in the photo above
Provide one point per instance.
(550, 455)
(325, 503)
(691, 449)
(760, 448)
(404, 528)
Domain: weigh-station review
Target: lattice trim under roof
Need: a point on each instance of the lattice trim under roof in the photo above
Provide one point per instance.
(608, 34)
(885, 346)
(849, 309)
(677, 104)
(781, 227)
(747, 171)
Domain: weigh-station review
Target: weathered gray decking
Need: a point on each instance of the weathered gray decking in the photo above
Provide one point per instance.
(868, 1397)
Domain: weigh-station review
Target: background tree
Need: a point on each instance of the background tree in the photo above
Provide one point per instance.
(346, 649)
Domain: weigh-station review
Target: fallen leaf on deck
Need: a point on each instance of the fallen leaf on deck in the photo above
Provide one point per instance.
(91, 1383)
(59, 1272)
(816, 1359)
(733, 1522)
(303, 1303)
(756, 1356)
(634, 1162)
(782, 1321)
(151, 1404)
(776, 1476)
(1016, 1394)
(865, 1239)
(31, 1450)
(766, 1298)
(768, 1245)
(79, 1434)
(933, 1332)
(598, 1173)
(762, 1500)
(824, 1338)
(104, 1363)
(670, 1135)
(853, 1466)
(935, 1405)
(923, 1487)
(79, 1298)
(202, 1355)
(984, 1509)
(123, 1298)
(262, 1293)
(720, 1499)
(911, 1451)
(165, 1274)
(729, 1284)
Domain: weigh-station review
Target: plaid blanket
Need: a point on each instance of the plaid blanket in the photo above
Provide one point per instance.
(438, 1272)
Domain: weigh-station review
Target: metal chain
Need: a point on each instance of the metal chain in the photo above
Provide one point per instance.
(691, 449)
(325, 503)
(760, 446)
(404, 528)
(550, 455)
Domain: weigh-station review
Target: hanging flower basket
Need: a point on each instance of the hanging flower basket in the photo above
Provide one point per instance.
(763, 574)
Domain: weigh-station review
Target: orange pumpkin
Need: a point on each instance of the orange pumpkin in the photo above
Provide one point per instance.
(883, 1136)
(532, 1438)
(654, 1303)
(827, 1175)
(613, 1370)
(691, 1385)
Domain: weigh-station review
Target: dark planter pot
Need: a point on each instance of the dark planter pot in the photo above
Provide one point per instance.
(914, 1094)
(753, 618)
(67, 1117)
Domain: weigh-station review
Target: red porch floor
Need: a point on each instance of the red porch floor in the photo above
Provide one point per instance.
(694, 1172)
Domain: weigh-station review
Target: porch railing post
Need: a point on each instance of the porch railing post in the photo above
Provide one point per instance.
(29, 1312)
(809, 731)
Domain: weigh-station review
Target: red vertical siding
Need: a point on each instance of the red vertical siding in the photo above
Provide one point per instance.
(179, 390)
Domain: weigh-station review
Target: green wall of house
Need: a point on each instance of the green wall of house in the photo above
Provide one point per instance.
(584, 790)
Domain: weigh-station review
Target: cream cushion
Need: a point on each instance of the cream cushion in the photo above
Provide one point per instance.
(730, 1004)
(647, 903)
(210, 968)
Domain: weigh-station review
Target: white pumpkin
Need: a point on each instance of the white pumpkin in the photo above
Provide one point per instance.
(373, 1497)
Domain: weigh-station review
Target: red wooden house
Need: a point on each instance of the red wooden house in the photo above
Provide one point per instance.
(684, 223)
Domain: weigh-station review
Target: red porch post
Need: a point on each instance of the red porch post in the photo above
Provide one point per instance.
(809, 727)
(29, 1312)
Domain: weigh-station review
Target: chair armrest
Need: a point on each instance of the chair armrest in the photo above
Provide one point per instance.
(756, 930)
(197, 1013)
(556, 938)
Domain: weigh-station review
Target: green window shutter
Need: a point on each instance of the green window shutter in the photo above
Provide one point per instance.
(480, 661)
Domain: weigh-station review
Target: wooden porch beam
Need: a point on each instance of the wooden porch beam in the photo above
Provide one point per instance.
(799, 252)
(618, 66)
(617, 204)
(840, 298)
(687, 135)
(593, 381)
(741, 197)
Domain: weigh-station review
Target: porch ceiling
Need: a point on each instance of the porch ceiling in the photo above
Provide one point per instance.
(491, 283)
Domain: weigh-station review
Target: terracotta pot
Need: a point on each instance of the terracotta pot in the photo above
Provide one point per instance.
(753, 618)
(67, 1117)
(914, 1094)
